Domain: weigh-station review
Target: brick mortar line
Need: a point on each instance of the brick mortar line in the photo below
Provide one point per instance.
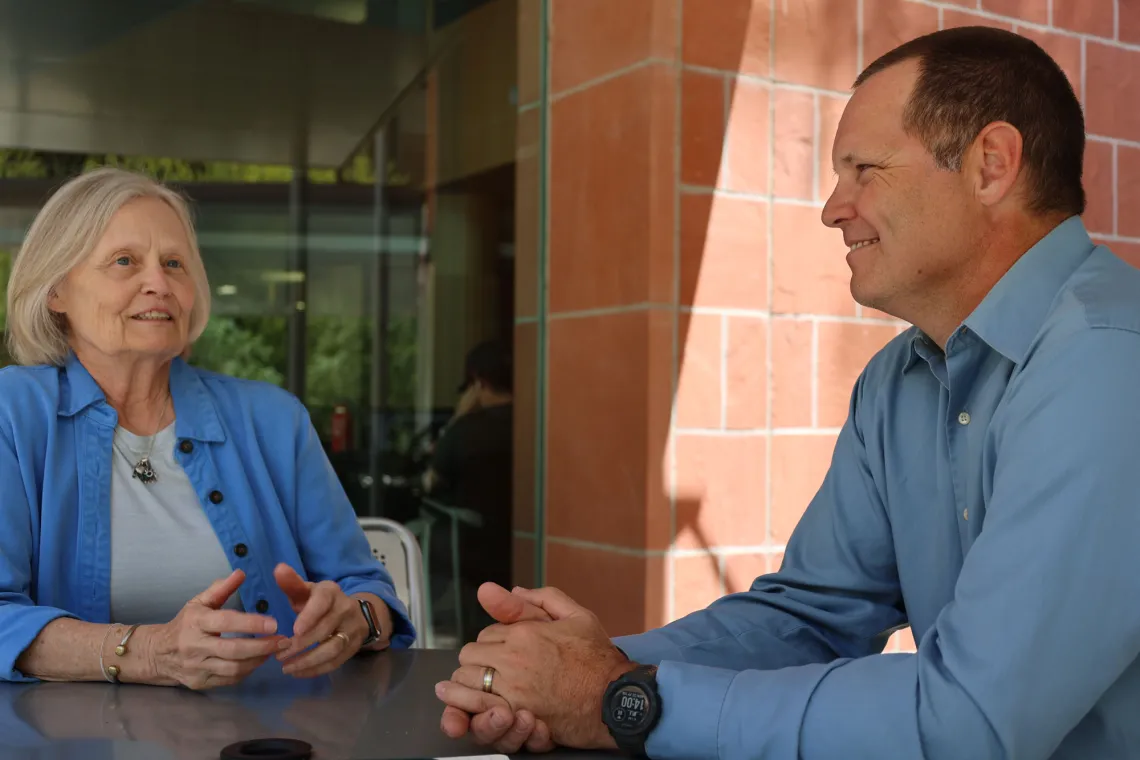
(1114, 141)
(627, 551)
(1033, 25)
(670, 452)
(780, 432)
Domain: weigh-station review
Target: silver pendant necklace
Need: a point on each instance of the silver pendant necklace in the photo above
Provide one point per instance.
(143, 469)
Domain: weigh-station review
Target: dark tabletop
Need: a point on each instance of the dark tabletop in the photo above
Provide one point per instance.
(375, 707)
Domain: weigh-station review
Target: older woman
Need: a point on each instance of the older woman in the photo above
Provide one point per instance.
(161, 524)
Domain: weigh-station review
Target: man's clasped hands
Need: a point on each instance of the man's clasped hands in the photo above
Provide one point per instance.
(550, 662)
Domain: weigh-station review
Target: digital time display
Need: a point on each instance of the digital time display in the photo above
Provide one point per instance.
(630, 707)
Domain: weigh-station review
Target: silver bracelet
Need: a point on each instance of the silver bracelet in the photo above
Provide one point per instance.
(112, 675)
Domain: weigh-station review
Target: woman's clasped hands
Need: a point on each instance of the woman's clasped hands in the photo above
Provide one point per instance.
(206, 646)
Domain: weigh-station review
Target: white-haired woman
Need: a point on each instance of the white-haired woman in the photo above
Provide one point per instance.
(161, 524)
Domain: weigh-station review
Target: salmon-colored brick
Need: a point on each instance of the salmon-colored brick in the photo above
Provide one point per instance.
(791, 373)
(696, 583)
(740, 570)
(736, 37)
(830, 112)
(901, 641)
(809, 264)
(817, 43)
(1036, 11)
(1128, 191)
(889, 23)
(1099, 188)
(698, 382)
(746, 365)
(702, 128)
(592, 38)
(1094, 17)
(724, 252)
(952, 18)
(793, 175)
(611, 204)
(1062, 48)
(627, 593)
(609, 380)
(1110, 87)
(720, 491)
(844, 350)
(746, 142)
(1129, 16)
(799, 464)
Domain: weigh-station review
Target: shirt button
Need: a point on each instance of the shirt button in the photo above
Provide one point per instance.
(186, 446)
(966, 513)
(963, 418)
(262, 606)
(241, 550)
(216, 497)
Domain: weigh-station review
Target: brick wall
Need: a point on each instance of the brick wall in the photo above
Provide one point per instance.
(703, 342)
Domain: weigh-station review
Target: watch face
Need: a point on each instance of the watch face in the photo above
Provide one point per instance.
(629, 708)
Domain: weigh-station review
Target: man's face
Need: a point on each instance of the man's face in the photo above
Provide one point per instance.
(909, 225)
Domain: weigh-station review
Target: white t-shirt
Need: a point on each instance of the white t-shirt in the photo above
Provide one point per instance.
(164, 551)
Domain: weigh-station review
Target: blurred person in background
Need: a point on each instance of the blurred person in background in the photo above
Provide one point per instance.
(470, 468)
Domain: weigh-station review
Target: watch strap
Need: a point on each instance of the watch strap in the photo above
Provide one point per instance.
(370, 618)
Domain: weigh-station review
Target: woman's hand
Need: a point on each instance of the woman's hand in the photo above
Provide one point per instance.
(327, 617)
(190, 650)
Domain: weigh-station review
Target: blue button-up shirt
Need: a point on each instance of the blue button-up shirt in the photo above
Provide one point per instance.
(989, 497)
(250, 442)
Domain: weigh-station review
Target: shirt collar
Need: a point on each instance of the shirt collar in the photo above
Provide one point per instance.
(196, 414)
(1011, 314)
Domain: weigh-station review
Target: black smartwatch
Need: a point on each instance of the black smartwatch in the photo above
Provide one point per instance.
(369, 613)
(631, 707)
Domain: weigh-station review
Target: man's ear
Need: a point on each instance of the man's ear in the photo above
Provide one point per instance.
(995, 162)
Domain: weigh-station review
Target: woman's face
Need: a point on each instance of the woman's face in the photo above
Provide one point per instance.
(133, 295)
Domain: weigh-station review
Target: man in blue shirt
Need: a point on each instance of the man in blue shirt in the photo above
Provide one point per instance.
(985, 488)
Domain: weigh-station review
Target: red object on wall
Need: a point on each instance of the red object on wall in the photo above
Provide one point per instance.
(341, 433)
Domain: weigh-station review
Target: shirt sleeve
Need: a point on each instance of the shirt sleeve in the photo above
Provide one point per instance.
(21, 619)
(836, 595)
(1043, 621)
(332, 543)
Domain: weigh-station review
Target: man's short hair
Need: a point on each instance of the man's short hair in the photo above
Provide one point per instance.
(972, 76)
(489, 363)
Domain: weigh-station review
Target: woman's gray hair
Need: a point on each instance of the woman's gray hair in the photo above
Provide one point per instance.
(63, 234)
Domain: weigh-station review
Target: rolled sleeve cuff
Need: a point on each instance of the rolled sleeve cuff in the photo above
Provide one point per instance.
(19, 626)
(713, 712)
(652, 648)
(403, 633)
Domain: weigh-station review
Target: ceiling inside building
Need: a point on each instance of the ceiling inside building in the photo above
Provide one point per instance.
(230, 80)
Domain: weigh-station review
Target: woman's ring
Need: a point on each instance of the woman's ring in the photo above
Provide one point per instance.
(488, 679)
(342, 636)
